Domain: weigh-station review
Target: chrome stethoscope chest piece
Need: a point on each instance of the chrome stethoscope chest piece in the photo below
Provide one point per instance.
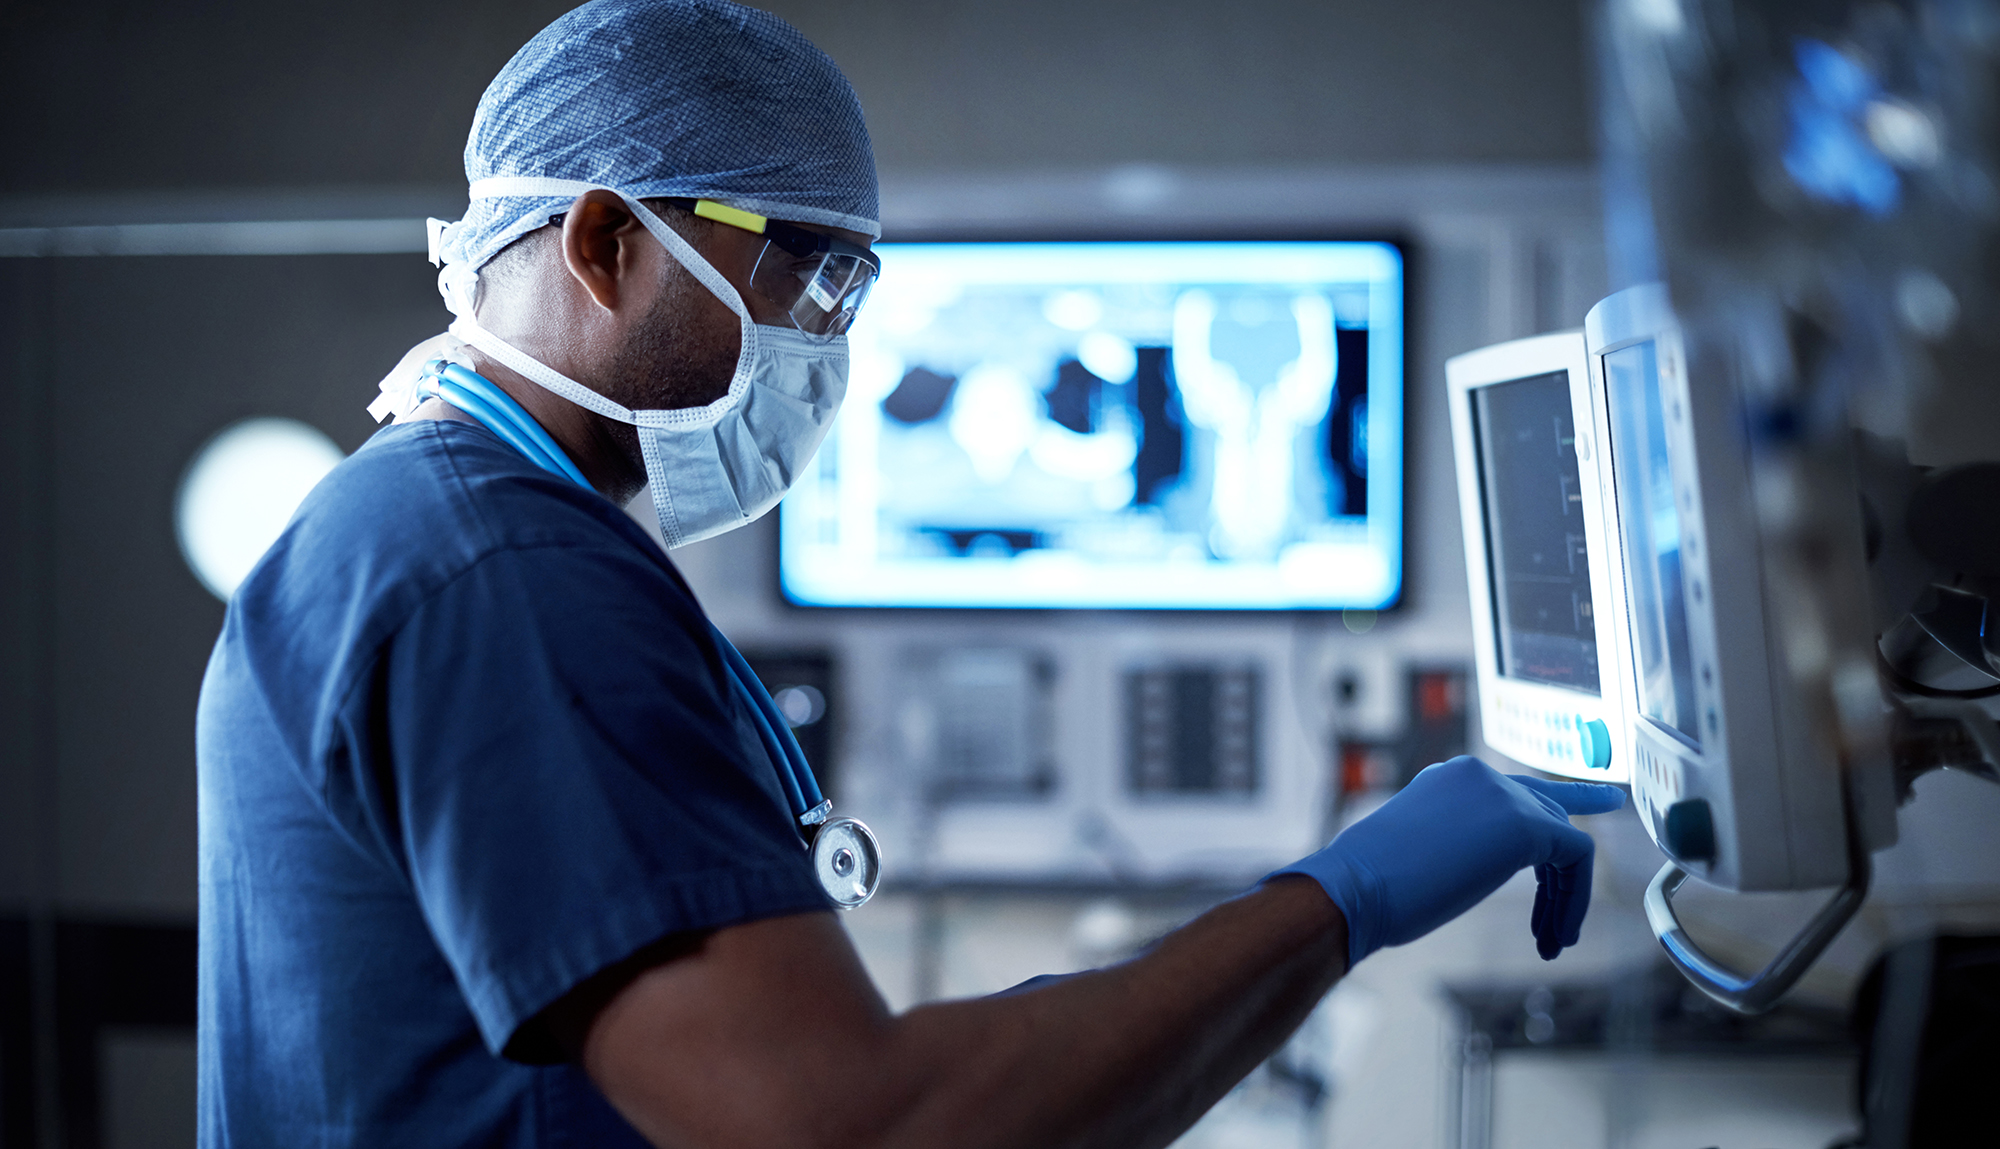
(848, 862)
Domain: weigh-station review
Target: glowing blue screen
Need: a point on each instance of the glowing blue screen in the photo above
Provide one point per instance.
(1643, 470)
(1170, 425)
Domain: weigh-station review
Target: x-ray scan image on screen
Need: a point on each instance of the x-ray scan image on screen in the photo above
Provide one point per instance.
(1172, 425)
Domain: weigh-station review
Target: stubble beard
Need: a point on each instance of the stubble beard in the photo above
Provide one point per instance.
(673, 359)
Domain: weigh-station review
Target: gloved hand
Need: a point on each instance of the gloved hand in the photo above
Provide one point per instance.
(1455, 834)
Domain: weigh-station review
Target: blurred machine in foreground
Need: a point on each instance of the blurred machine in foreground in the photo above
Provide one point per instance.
(1795, 437)
(1815, 184)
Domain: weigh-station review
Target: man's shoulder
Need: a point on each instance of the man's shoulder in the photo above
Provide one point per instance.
(413, 511)
(423, 501)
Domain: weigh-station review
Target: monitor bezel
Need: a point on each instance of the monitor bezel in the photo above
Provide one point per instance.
(1407, 253)
(1501, 697)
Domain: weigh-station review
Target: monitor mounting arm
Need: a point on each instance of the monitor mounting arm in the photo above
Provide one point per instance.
(1759, 991)
(1934, 730)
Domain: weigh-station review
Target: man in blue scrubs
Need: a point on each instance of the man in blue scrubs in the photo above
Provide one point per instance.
(492, 853)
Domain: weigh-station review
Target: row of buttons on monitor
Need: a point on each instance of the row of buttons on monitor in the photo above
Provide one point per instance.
(1563, 736)
(1664, 776)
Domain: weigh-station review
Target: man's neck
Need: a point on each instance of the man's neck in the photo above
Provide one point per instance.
(438, 409)
(585, 436)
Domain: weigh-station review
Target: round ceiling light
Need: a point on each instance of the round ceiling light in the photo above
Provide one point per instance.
(241, 490)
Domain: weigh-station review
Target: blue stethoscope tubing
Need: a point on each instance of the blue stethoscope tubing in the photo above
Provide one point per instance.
(499, 413)
(801, 787)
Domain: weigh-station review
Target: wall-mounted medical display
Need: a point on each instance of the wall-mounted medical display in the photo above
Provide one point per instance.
(1175, 425)
(1531, 503)
(977, 723)
(989, 721)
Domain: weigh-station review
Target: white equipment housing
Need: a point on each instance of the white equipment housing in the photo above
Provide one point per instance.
(1726, 774)
(1076, 760)
(1547, 645)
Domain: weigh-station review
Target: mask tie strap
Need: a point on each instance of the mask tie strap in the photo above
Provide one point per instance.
(682, 251)
(468, 329)
(434, 230)
(544, 187)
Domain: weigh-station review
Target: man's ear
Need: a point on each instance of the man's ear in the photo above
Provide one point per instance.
(600, 245)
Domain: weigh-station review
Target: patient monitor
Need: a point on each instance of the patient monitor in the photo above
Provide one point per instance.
(1531, 504)
(1726, 776)
(1801, 456)
(1738, 771)
(1636, 618)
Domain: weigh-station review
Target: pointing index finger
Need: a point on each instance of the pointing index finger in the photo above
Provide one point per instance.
(1576, 797)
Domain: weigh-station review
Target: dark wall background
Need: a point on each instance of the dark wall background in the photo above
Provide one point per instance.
(139, 95)
(145, 96)
(148, 357)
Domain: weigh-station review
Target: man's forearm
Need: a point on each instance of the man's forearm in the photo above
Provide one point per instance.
(1126, 1056)
(769, 1033)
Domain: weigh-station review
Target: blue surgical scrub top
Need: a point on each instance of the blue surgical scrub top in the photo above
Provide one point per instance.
(465, 741)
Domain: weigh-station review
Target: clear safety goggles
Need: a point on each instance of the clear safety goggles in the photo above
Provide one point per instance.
(820, 282)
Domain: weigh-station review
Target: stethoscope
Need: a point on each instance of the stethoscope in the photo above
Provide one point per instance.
(845, 856)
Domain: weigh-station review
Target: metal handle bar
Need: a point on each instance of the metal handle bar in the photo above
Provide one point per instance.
(1761, 990)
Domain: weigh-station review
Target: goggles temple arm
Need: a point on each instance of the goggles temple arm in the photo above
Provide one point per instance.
(795, 240)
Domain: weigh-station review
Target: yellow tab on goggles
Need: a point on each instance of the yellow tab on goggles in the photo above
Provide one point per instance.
(733, 216)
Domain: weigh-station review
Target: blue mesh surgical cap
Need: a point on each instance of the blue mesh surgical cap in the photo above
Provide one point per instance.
(693, 98)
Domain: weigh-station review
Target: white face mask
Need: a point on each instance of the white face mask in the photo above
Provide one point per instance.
(711, 468)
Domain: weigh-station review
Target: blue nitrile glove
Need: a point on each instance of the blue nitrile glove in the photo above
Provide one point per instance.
(1455, 834)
